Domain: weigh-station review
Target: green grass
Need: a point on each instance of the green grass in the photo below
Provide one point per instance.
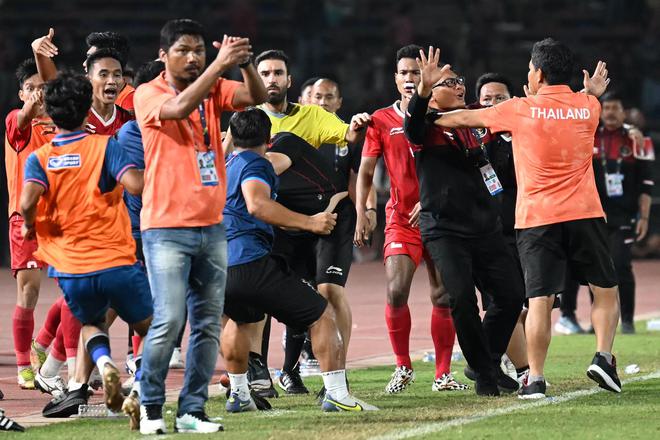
(634, 413)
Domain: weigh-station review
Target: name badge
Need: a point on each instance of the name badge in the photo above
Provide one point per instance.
(490, 179)
(614, 184)
(207, 171)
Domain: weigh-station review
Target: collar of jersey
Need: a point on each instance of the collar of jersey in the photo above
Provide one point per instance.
(550, 90)
(64, 139)
(289, 108)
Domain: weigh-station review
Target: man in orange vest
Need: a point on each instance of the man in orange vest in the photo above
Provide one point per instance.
(72, 201)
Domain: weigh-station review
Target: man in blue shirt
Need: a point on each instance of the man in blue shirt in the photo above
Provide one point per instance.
(259, 283)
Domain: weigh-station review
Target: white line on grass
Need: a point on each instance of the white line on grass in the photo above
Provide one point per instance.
(431, 428)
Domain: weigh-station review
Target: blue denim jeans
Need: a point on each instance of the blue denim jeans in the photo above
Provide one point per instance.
(186, 266)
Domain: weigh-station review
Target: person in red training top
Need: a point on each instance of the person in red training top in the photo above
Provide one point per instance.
(559, 217)
(72, 202)
(104, 70)
(403, 250)
(26, 131)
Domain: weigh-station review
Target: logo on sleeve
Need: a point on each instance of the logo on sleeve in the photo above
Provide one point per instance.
(396, 130)
(64, 161)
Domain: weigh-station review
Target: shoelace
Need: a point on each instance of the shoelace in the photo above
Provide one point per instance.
(294, 379)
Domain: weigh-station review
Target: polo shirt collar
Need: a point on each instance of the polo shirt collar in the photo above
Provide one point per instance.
(552, 90)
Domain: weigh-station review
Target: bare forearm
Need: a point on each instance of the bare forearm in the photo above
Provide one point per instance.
(364, 188)
(273, 213)
(644, 206)
(255, 86)
(25, 116)
(185, 102)
(460, 119)
(46, 67)
(372, 200)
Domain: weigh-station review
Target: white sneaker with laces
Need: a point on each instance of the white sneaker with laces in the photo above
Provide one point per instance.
(401, 379)
(197, 423)
(54, 386)
(151, 426)
(176, 361)
(448, 383)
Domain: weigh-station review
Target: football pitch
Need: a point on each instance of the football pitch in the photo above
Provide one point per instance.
(576, 408)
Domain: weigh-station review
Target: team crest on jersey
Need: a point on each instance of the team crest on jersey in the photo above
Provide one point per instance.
(64, 161)
(342, 151)
(396, 130)
(625, 151)
(481, 132)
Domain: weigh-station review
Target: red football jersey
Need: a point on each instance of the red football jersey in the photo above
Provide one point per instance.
(112, 125)
(385, 138)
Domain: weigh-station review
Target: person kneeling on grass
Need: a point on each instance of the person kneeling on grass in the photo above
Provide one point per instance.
(259, 283)
(72, 201)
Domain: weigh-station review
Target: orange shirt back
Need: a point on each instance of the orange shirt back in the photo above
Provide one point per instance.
(125, 98)
(79, 229)
(553, 135)
(173, 194)
(19, 144)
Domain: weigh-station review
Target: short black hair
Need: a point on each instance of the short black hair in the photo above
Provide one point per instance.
(100, 54)
(273, 54)
(612, 95)
(68, 98)
(174, 29)
(309, 82)
(147, 72)
(250, 128)
(492, 77)
(555, 60)
(409, 51)
(110, 40)
(330, 80)
(25, 70)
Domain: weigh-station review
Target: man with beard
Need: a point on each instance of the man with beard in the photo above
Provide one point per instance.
(460, 224)
(403, 250)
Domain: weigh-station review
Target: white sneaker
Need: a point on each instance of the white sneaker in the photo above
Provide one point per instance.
(54, 386)
(151, 426)
(448, 383)
(401, 379)
(176, 362)
(198, 423)
(508, 368)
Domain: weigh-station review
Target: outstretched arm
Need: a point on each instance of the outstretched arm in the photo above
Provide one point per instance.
(44, 50)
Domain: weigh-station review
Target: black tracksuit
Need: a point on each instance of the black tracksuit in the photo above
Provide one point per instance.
(461, 228)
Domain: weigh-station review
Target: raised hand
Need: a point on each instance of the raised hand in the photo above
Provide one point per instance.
(414, 215)
(596, 84)
(34, 104)
(323, 223)
(44, 45)
(232, 51)
(430, 72)
(360, 121)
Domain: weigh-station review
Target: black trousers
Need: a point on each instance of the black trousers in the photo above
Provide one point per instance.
(487, 261)
(620, 239)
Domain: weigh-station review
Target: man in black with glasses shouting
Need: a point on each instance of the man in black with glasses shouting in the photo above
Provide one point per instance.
(460, 224)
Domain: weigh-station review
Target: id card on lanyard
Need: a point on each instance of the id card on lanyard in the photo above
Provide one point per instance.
(488, 173)
(613, 181)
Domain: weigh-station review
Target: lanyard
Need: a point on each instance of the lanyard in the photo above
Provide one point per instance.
(202, 119)
(603, 154)
(478, 138)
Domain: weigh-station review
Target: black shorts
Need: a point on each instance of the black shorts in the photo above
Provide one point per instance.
(268, 286)
(321, 259)
(549, 252)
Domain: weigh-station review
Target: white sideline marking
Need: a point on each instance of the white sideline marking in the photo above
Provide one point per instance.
(431, 428)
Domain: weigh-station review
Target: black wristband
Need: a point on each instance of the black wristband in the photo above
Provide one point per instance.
(245, 64)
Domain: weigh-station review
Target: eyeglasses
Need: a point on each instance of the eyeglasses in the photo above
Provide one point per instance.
(451, 82)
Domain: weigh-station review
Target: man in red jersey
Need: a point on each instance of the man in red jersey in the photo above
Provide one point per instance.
(25, 133)
(403, 242)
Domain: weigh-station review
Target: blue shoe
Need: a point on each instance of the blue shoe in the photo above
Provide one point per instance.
(568, 325)
(350, 403)
(236, 405)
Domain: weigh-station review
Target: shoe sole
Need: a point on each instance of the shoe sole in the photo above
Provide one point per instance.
(131, 408)
(112, 388)
(598, 375)
(534, 396)
(63, 413)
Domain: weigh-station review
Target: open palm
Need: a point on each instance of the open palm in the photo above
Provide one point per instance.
(596, 84)
(429, 70)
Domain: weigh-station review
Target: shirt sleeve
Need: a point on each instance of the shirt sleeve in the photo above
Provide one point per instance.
(645, 176)
(260, 171)
(501, 117)
(129, 138)
(18, 139)
(116, 161)
(34, 172)
(148, 100)
(223, 94)
(290, 145)
(373, 143)
(332, 130)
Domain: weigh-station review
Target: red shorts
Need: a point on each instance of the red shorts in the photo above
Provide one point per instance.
(21, 250)
(404, 240)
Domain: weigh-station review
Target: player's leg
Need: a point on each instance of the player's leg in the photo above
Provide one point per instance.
(46, 334)
(621, 241)
(27, 282)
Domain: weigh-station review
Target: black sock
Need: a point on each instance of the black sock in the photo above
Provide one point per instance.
(130, 339)
(265, 339)
(521, 370)
(294, 343)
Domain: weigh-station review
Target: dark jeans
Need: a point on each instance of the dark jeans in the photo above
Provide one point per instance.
(488, 261)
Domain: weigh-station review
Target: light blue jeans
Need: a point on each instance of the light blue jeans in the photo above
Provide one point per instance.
(186, 266)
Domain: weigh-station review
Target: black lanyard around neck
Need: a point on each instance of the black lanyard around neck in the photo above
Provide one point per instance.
(202, 120)
(603, 154)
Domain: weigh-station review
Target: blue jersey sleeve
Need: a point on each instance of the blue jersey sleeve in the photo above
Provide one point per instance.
(260, 170)
(130, 140)
(115, 164)
(34, 172)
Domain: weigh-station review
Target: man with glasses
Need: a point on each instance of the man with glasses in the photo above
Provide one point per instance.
(460, 224)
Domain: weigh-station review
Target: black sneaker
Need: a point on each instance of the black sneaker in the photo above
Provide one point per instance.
(66, 404)
(604, 374)
(505, 383)
(292, 383)
(261, 402)
(259, 378)
(534, 390)
(470, 373)
(627, 328)
(7, 424)
(486, 387)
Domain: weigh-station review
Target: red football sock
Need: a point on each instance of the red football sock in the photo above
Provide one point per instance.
(70, 330)
(23, 326)
(57, 350)
(398, 326)
(443, 334)
(49, 329)
(136, 345)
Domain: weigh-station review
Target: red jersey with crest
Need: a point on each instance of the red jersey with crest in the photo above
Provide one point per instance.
(385, 138)
(111, 126)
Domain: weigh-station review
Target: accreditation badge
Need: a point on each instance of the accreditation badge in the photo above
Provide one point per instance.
(207, 171)
(490, 179)
(614, 184)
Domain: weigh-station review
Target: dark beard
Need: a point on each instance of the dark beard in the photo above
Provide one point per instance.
(276, 99)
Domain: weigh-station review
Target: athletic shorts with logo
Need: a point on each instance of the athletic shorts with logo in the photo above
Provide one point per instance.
(21, 249)
(549, 252)
(405, 240)
(268, 286)
(320, 259)
(124, 289)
